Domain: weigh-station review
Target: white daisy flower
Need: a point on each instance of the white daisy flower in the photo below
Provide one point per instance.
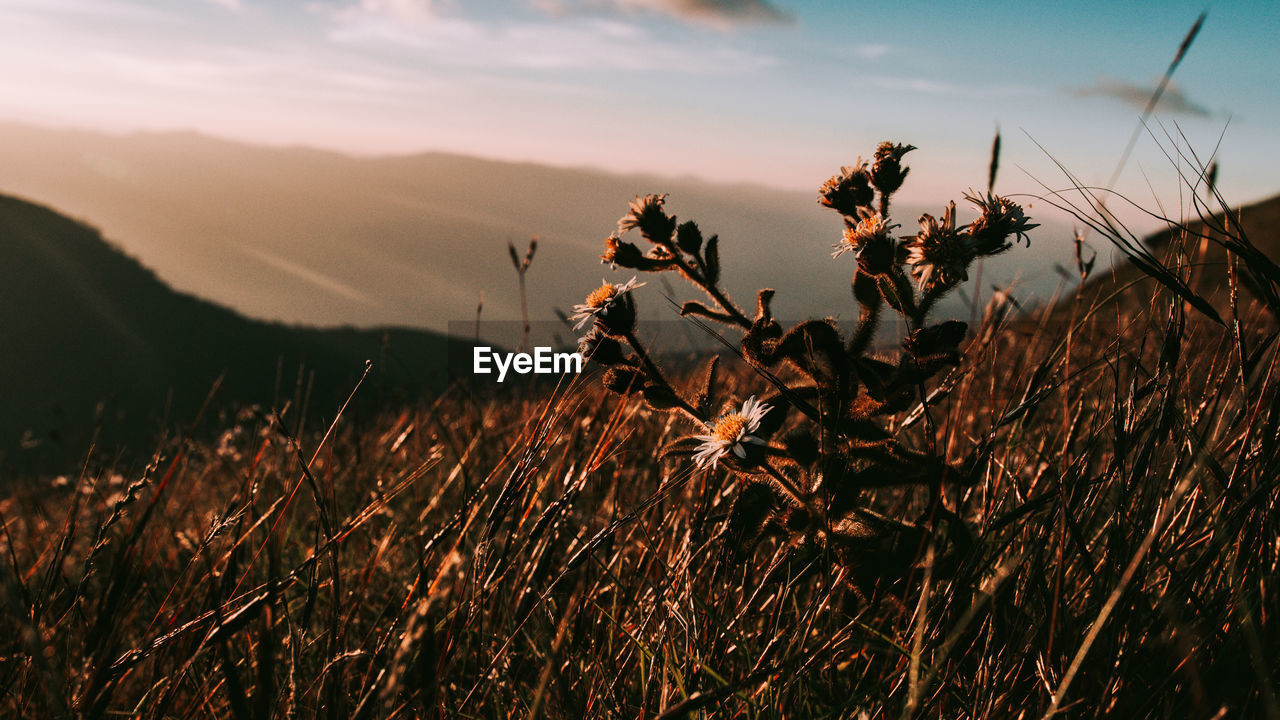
(870, 227)
(730, 433)
(600, 300)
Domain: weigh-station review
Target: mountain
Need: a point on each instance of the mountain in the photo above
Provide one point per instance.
(93, 340)
(307, 236)
(1125, 283)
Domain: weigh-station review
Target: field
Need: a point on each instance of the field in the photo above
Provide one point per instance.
(1067, 511)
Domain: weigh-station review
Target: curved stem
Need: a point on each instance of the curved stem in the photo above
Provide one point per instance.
(655, 374)
(738, 317)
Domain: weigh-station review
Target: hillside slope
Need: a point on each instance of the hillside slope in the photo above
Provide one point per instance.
(92, 338)
(302, 235)
(1126, 286)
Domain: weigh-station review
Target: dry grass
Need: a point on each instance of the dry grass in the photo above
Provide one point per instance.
(1105, 545)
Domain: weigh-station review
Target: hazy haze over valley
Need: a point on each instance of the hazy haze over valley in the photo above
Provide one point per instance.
(315, 237)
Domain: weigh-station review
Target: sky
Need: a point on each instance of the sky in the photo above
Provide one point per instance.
(769, 92)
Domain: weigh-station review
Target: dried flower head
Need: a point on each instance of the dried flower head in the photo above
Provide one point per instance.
(939, 255)
(887, 173)
(848, 191)
(623, 380)
(870, 228)
(647, 215)
(731, 433)
(1001, 219)
(601, 348)
(605, 301)
(617, 252)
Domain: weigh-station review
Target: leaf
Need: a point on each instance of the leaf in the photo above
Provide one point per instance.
(875, 375)
(689, 237)
(763, 300)
(1255, 356)
(660, 397)
(684, 447)
(816, 348)
(802, 446)
(896, 290)
(712, 256)
(751, 513)
(941, 338)
(866, 291)
(694, 307)
(863, 430)
(1174, 283)
(760, 342)
(702, 396)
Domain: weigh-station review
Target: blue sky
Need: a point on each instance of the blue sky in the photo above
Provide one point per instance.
(772, 92)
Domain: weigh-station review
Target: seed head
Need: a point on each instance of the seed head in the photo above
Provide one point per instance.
(848, 191)
(619, 253)
(939, 255)
(887, 172)
(646, 213)
(870, 229)
(623, 380)
(1001, 219)
(601, 348)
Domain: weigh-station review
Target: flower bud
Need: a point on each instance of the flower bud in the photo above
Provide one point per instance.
(601, 348)
(623, 380)
(848, 191)
(887, 172)
(689, 237)
(619, 253)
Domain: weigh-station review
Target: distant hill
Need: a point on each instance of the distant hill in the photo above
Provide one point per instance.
(314, 237)
(92, 338)
(1127, 284)
(1260, 222)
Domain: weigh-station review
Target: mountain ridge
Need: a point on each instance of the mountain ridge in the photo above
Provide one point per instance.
(98, 343)
(415, 240)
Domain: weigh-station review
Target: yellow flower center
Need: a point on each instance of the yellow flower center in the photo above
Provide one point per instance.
(729, 428)
(601, 296)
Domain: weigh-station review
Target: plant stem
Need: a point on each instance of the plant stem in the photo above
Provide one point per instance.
(739, 317)
(655, 374)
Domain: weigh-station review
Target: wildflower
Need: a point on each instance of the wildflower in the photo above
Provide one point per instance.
(647, 214)
(617, 252)
(870, 229)
(848, 191)
(609, 303)
(1001, 218)
(887, 172)
(939, 256)
(597, 346)
(732, 433)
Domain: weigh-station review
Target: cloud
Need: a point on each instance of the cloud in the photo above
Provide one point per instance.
(409, 12)
(872, 52)
(233, 5)
(718, 13)
(576, 42)
(1173, 100)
